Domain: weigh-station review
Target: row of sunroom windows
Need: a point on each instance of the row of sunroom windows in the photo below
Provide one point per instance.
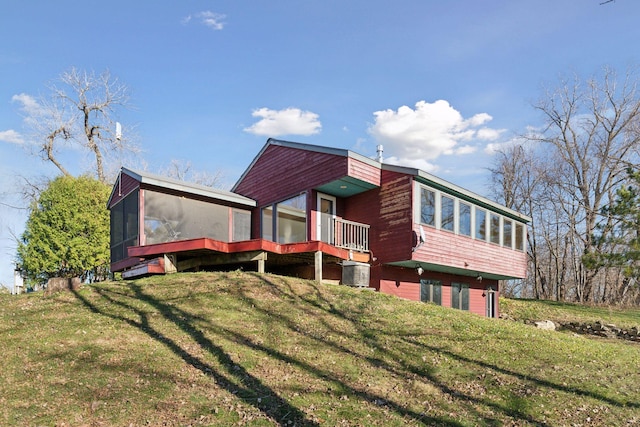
(449, 213)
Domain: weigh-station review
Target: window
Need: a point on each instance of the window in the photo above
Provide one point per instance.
(168, 218)
(431, 291)
(519, 237)
(292, 219)
(267, 223)
(459, 215)
(481, 225)
(241, 225)
(460, 296)
(290, 223)
(427, 207)
(507, 225)
(464, 219)
(494, 231)
(447, 213)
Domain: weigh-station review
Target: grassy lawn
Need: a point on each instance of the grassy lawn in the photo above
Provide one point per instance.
(247, 349)
(533, 310)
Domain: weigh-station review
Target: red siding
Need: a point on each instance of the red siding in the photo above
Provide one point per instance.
(405, 283)
(388, 211)
(446, 248)
(364, 171)
(121, 189)
(282, 172)
(406, 290)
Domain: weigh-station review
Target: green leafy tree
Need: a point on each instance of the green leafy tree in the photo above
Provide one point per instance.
(67, 233)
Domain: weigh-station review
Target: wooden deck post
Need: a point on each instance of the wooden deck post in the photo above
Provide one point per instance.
(261, 265)
(170, 263)
(318, 266)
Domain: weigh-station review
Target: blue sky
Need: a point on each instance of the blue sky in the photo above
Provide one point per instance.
(438, 83)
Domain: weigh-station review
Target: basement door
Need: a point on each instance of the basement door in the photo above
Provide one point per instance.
(491, 302)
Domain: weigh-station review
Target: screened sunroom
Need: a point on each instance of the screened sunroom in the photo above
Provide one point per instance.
(148, 209)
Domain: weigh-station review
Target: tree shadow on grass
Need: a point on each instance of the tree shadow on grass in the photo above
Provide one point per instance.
(365, 334)
(529, 378)
(272, 405)
(233, 377)
(510, 408)
(177, 316)
(313, 301)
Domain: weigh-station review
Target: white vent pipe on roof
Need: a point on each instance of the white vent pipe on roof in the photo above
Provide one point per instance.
(379, 151)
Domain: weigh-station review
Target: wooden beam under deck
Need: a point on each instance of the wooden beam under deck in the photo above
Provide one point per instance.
(220, 259)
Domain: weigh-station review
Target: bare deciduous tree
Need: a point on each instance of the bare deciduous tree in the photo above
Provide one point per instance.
(183, 171)
(590, 136)
(80, 109)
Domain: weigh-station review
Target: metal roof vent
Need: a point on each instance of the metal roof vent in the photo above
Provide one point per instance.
(379, 150)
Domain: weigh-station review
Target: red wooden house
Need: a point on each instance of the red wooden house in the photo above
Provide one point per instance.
(332, 214)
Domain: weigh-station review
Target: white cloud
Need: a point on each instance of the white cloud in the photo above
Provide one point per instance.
(413, 163)
(11, 136)
(210, 19)
(489, 134)
(290, 121)
(465, 149)
(417, 136)
(29, 106)
(479, 119)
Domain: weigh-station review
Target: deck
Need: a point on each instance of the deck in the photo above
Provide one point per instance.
(191, 254)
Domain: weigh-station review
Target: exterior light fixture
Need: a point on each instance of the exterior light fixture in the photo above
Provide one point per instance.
(419, 270)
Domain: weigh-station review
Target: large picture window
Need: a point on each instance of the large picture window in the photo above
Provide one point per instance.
(292, 219)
